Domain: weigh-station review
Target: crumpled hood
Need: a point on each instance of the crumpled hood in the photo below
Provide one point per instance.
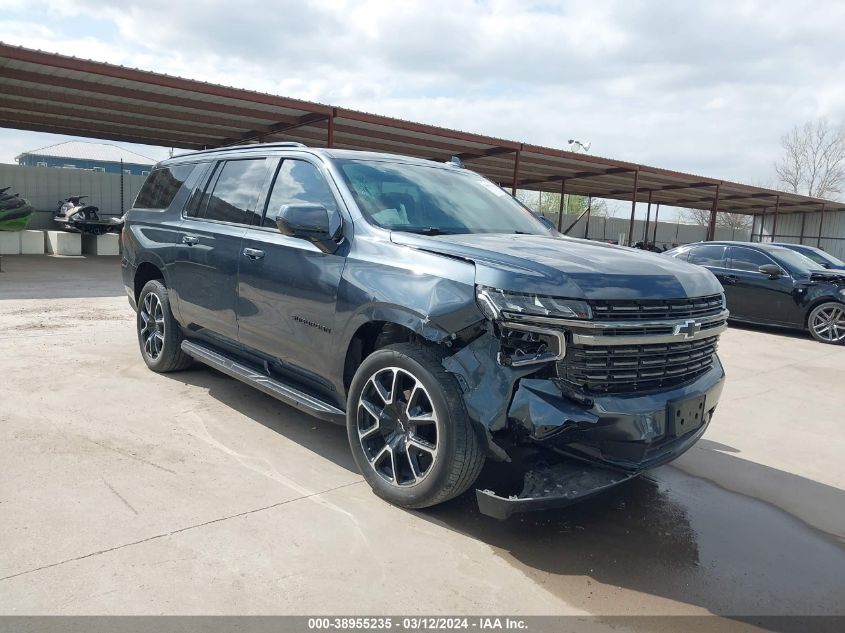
(568, 267)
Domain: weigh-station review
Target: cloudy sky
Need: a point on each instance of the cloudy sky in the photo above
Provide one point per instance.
(703, 87)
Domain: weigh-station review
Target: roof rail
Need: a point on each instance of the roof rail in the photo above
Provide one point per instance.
(245, 146)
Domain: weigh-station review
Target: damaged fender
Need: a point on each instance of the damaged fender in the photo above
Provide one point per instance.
(487, 386)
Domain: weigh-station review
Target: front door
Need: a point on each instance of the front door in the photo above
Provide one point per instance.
(754, 295)
(209, 247)
(287, 287)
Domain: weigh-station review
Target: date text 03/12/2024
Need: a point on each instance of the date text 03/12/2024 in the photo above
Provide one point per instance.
(417, 623)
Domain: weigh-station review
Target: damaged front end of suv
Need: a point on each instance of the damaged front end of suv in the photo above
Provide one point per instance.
(599, 389)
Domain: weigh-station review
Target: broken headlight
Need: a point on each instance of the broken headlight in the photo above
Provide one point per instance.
(498, 304)
(526, 343)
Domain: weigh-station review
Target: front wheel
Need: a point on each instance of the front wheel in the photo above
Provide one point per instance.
(827, 323)
(408, 428)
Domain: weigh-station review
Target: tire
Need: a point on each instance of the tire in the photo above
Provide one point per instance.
(159, 335)
(394, 450)
(826, 323)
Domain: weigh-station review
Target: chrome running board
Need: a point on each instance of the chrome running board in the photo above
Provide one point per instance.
(279, 390)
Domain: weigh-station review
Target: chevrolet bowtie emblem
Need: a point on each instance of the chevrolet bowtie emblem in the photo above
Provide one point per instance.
(689, 329)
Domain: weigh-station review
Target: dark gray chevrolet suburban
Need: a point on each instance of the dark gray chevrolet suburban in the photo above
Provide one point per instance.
(427, 310)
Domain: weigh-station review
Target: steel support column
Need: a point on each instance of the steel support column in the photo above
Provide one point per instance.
(330, 130)
(589, 208)
(633, 206)
(647, 218)
(656, 215)
(515, 172)
(560, 210)
(803, 224)
(762, 222)
(821, 223)
(775, 219)
(711, 226)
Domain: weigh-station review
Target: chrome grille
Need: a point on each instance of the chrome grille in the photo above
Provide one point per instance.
(651, 309)
(603, 369)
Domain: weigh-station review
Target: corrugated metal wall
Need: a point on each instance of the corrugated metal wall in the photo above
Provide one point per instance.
(668, 233)
(43, 187)
(789, 229)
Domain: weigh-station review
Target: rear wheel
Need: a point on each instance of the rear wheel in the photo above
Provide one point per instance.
(159, 335)
(408, 428)
(827, 323)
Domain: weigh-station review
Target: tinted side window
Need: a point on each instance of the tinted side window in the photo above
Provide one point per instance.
(234, 191)
(707, 256)
(682, 255)
(161, 186)
(746, 259)
(297, 181)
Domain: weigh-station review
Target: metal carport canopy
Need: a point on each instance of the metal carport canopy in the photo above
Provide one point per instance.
(46, 92)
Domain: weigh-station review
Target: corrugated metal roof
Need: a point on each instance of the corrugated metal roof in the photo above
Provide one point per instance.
(84, 150)
(66, 95)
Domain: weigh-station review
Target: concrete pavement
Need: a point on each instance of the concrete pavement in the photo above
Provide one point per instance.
(127, 492)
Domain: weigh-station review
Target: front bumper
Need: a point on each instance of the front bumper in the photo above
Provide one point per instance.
(609, 440)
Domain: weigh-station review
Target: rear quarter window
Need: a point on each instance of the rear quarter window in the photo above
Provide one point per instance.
(161, 186)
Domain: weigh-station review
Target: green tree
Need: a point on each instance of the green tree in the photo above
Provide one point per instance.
(549, 203)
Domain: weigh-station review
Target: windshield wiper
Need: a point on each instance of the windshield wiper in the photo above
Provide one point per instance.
(426, 230)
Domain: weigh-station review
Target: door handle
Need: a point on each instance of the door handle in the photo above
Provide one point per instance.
(190, 240)
(253, 253)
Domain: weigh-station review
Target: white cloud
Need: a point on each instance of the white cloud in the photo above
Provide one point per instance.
(702, 87)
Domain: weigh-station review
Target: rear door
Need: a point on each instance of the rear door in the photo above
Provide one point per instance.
(755, 296)
(287, 287)
(209, 246)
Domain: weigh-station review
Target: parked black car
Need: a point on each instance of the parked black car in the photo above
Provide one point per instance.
(772, 285)
(424, 308)
(822, 258)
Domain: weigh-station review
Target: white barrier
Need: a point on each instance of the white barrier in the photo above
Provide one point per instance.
(108, 244)
(63, 243)
(32, 242)
(10, 243)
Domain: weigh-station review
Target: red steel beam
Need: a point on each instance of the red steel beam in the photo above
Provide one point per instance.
(102, 134)
(633, 206)
(578, 174)
(104, 103)
(711, 227)
(134, 120)
(410, 126)
(695, 185)
(821, 223)
(647, 218)
(561, 209)
(656, 215)
(330, 130)
(775, 219)
(587, 225)
(145, 96)
(450, 146)
(155, 79)
(515, 172)
(93, 128)
(276, 128)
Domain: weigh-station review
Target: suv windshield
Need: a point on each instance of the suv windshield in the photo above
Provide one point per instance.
(434, 200)
(820, 257)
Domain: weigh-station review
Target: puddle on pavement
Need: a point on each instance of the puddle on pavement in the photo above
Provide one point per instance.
(671, 537)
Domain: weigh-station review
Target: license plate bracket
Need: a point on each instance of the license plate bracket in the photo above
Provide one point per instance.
(685, 416)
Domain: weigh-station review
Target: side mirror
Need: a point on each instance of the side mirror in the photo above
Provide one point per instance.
(825, 265)
(772, 270)
(312, 222)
